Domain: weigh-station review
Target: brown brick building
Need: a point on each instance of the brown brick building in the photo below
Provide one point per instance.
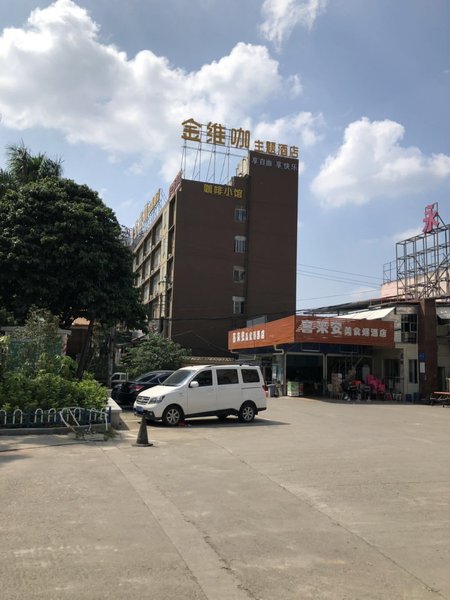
(217, 256)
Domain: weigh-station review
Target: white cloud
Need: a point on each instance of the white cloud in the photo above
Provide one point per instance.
(407, 234)
(371, 164)
(300, 129)
(295, 84)
(282, 16)
(55, 73)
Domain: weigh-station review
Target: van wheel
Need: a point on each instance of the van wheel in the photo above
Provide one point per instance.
(247, 412)
(172, 416)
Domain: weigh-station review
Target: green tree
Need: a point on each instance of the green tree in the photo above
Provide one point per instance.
(34, 374)
(154, 353)
(61, 249)
(36, 345)
(24, 168)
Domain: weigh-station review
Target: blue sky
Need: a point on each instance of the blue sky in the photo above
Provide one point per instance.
(360, 86)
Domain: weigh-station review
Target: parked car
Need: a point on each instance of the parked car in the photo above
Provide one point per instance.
(125, 394)
(203, 391)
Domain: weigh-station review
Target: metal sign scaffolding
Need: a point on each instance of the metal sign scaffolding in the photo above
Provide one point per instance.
(423, 263)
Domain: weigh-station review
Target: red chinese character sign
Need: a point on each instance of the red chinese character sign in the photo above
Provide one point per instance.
(431, 219)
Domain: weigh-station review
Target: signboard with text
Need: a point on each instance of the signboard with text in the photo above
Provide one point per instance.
(239, 138)
(326, 330)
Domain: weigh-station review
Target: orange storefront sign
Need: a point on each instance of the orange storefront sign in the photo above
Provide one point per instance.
(362, 332)
(281, 331)
(326, 330)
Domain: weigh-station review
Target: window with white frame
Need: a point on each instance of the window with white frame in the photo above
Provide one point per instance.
(238, 305)
(238, 274)
(240, 243)
(240, 214)
(409, 329)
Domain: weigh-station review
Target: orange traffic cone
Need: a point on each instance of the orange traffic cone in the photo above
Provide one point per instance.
(142, 438)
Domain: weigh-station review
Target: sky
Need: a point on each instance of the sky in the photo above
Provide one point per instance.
(361, 87)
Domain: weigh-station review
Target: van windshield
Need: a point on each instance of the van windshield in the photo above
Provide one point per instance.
(179, 377)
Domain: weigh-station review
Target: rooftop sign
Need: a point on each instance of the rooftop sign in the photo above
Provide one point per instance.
(147, 215)
(219, 135)
(431, 220)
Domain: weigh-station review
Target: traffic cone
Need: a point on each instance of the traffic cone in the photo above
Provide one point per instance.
(142, 438)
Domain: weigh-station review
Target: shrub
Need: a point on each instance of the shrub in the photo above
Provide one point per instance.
(153, 353)
(48, 390)
(33, 374)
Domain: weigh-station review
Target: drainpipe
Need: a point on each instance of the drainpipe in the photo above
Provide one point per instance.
(283, 353)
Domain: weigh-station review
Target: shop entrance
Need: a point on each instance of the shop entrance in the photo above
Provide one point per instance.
(308, 370)
(357, 367)
(350, 375)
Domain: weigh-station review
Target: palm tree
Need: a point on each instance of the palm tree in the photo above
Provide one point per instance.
(25, 168)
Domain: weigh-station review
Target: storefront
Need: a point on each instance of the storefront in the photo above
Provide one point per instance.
(314, 355)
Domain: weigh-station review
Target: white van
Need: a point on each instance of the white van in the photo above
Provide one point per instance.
(203, 391)
(118, 378)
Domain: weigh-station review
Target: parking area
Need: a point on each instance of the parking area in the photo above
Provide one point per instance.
(314, 500)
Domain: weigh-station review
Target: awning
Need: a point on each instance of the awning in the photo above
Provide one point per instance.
(376, 313)
(443, 312)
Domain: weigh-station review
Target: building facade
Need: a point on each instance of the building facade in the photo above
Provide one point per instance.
(217, 256)
(395, 350)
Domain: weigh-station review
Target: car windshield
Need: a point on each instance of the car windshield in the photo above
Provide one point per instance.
(145, 378)
(179, 377)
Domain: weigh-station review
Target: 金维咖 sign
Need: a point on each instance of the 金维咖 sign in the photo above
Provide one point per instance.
(219, 135)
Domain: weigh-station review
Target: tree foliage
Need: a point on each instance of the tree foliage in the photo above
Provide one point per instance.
(25, 168)
(60, 247)
(34, 374)
(154, 353)
(37, 345)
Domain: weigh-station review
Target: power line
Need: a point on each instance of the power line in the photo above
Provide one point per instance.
(336, 295)
(336, 271)
(338, 279)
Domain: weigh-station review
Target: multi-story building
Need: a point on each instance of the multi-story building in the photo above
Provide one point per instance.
(218, 256)
(400, 341)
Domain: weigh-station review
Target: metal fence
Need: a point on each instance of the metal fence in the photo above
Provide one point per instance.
(70, 417)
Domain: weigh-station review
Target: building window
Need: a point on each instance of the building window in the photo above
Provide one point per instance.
(409, 329)
(240, 243)
(156, 259)
(240, 214)
(412, 371)
(238, 274)
(154, 285)
(238, 305)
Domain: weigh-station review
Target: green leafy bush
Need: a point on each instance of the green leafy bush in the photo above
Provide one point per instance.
(35, 375)
(49, 390)
(154, 353)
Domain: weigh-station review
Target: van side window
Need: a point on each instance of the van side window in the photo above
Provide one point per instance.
(204, 378)
(250, 376)
(227, 376)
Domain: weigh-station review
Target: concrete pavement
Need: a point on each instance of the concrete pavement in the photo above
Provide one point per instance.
(315, 500)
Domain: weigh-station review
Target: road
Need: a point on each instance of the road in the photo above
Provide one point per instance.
(314, 500)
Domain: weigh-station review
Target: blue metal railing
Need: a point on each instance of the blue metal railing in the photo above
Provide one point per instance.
(65, 417)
